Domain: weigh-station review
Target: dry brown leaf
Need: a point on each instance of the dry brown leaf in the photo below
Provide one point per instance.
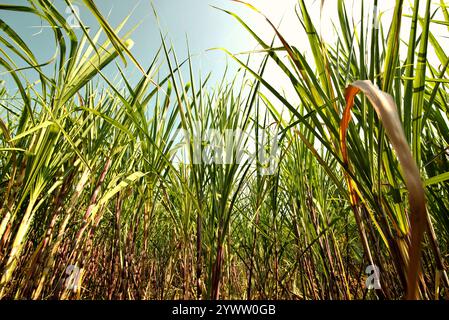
(386, 109)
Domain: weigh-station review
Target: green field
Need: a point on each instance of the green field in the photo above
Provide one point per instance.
(338, 189)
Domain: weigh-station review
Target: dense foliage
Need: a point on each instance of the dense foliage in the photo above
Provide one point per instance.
(93, 204)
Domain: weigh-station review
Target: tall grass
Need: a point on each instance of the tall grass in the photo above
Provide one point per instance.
(90, 182)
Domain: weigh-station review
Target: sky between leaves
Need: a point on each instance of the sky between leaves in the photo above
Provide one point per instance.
(204, 26)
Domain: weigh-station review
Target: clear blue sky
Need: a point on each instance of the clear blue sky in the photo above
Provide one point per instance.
(205, 27)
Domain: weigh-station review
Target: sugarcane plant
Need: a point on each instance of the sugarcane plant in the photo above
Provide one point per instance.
(170, 186)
